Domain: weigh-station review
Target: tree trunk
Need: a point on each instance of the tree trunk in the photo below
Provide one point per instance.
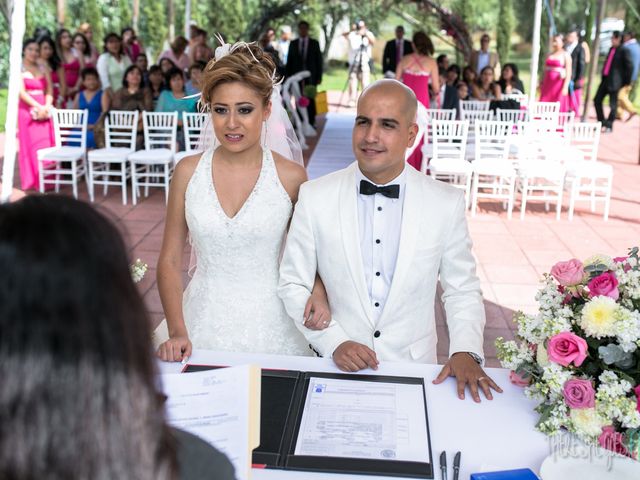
(595, 53)
(172, 21)
(136, 15)
(60, 12)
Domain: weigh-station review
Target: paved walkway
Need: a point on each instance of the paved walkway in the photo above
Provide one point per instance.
(512, 254)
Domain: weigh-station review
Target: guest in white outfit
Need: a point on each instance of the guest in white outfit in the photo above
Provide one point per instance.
(379, 234)
(235, 202)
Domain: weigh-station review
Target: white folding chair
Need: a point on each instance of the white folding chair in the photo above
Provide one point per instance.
(472, 117)
(474, 105)
(565, 124)
(494, 176)
(590, 180)
(192, 125)
(155, 162)
(538, 169)
(512, 116)
(441, 114)
(544, 111)
(108, 166)
(449, 154)
(64, 163)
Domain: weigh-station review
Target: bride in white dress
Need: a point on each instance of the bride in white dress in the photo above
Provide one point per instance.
(235, 201)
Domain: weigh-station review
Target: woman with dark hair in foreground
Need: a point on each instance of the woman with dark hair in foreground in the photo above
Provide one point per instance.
(78, 397)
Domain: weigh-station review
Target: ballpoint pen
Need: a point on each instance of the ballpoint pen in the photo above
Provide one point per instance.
(456, 465)
(443, 464)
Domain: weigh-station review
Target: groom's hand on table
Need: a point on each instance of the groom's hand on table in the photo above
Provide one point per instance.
(466, 370)
(353, 356)
(176, 349)
(317, 314)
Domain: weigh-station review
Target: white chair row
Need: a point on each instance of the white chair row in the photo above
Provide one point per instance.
(539, 174)
(68, 160)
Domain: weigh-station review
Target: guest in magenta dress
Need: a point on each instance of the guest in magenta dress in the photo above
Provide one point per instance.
(83, 49)
(93, 99)
(49, 59)
(35, 130)
(557, 75)
(72, 63)
(131, 44)
(418, 71)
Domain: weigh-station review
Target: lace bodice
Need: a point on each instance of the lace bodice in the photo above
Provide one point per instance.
(231, 303)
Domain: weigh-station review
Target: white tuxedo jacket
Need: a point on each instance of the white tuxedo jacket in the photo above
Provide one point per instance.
(434, 241)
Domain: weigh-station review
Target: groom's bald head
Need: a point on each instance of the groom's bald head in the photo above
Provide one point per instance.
(396, 90)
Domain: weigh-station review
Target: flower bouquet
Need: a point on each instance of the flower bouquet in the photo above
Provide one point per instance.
(579, 356)
(138, 270)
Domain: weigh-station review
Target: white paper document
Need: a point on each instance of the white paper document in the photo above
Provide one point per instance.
(362, 419)
(214, 405)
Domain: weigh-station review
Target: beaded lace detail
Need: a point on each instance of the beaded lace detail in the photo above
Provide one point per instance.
(231, 303)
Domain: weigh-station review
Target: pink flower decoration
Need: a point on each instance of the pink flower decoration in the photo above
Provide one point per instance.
(605, 284)
(612, 440)
(304, 102)
(568, 273)
(565, 348)
(518, 380)
(579, 393)
(637, 392)
(626, 266)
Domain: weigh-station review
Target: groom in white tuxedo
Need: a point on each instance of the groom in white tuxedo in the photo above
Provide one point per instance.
(379, 234)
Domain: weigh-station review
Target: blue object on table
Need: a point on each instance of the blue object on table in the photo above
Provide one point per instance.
(521, 474)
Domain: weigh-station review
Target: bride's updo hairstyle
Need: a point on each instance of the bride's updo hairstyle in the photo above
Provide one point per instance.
(246, 64)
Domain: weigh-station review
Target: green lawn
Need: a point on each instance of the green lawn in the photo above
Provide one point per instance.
(3, 108)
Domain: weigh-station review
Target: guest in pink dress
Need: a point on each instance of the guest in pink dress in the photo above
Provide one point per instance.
(417, 71)
(35, 130)
(177, 53)
(49, 58)
(72, 63)
(557, 75)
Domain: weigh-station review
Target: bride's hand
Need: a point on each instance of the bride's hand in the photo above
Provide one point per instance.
(317, 314)
(175, 349)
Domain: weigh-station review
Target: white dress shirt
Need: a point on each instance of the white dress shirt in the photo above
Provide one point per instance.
(379, 222)
(483, 60)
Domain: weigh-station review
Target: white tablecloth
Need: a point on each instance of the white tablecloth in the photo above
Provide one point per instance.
(492, 435)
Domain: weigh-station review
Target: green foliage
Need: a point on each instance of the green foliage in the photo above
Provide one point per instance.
(631, 22)
(153, 25)
(504, 29)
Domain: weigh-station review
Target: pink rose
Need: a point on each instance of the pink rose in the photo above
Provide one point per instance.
(612, 440)
(568, 273)
(567, 347)
(637, 392)
(605, 284)
(518, 380)
(579, 393)
(304, 102)
(626, 266)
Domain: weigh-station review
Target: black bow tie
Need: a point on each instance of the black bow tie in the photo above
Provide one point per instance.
(389, 191)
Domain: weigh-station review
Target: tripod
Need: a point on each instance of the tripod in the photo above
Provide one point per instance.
(355, 68)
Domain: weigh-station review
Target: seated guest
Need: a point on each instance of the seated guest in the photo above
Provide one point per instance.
(485, 88)
(192, 86)
(93, 99)
(133, 96)
(450, 99)
(166, 64)
(509, 81)
(131, 43)
(142, 62)
(173, 100)
(79, 387)
(463, 91)
(155, 83)
(177, 53)
(469, 75)
(443, 61)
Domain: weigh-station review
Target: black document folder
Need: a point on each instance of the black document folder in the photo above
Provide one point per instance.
(284, 393)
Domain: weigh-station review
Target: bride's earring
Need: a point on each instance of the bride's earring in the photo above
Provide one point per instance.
(264, 134)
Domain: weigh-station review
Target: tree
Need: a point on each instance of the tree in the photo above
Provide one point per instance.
(504, 29)
(153, 25)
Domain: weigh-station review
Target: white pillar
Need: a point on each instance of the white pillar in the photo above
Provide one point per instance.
(535, 49)
(16, 31)
(187, 19)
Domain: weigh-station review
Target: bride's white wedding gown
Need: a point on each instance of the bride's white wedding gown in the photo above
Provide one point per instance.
(231, 303)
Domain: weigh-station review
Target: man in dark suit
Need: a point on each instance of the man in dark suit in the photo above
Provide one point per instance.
(394, 50)
(304, 54)
(616, 74)
(574, 48)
